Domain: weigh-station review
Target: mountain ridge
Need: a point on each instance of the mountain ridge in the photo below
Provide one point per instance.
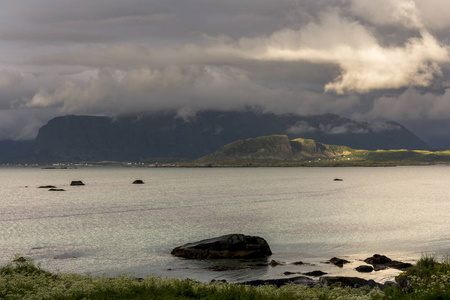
(138, 137)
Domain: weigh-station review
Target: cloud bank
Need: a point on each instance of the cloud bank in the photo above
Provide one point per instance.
(369, 60)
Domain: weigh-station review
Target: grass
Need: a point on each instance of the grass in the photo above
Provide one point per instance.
(428, 279)
(23, 279)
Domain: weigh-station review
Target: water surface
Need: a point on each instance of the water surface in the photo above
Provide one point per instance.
(111, 226)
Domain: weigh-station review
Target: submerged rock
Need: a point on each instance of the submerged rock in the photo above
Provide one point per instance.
(46, 187)
(77, 182)
(56, 190)
(227, 246)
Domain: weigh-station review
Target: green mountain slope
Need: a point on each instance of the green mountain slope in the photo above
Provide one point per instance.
(279, 149)
(275, 148)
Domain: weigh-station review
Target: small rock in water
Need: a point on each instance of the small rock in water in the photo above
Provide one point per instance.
(274, 263)
(46, 187)
(77, 182)
(138, 181)
(364, 269)
(338, 261)
(315, 273)
(287, 273)
(56, 190)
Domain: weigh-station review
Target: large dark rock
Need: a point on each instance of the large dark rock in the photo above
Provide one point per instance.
(381, 262)
(227, 246)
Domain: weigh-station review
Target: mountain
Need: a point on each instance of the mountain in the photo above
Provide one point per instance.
(142, 136)
(276, 149)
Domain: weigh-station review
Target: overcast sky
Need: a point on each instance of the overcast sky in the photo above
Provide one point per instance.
(363, 59)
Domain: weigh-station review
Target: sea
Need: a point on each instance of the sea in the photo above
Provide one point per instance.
(110, 226)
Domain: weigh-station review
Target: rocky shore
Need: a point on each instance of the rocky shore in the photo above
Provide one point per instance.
(235, 252)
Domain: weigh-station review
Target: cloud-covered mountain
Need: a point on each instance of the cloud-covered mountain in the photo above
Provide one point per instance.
(142, 136)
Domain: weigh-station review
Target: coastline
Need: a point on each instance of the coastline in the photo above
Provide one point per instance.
(236, 271)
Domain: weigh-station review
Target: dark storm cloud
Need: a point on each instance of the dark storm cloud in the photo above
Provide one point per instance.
(366, 59)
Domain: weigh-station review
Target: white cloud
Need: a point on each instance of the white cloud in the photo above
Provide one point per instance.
(365, 64)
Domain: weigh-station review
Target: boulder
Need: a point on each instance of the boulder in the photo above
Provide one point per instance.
(227, 246)
(138, 181)
(338, 261)
(77, 182)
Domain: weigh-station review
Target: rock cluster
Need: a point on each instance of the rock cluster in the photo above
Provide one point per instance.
(381, 262)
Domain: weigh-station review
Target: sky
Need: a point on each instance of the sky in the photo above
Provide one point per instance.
(362, 59)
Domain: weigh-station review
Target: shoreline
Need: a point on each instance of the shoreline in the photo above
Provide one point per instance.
(275, 270)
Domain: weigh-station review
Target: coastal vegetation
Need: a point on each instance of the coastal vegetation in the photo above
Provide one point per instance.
(23, 279)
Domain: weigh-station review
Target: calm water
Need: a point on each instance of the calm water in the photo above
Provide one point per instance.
(110, 226)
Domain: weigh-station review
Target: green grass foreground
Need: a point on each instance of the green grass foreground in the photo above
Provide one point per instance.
(22, 279)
